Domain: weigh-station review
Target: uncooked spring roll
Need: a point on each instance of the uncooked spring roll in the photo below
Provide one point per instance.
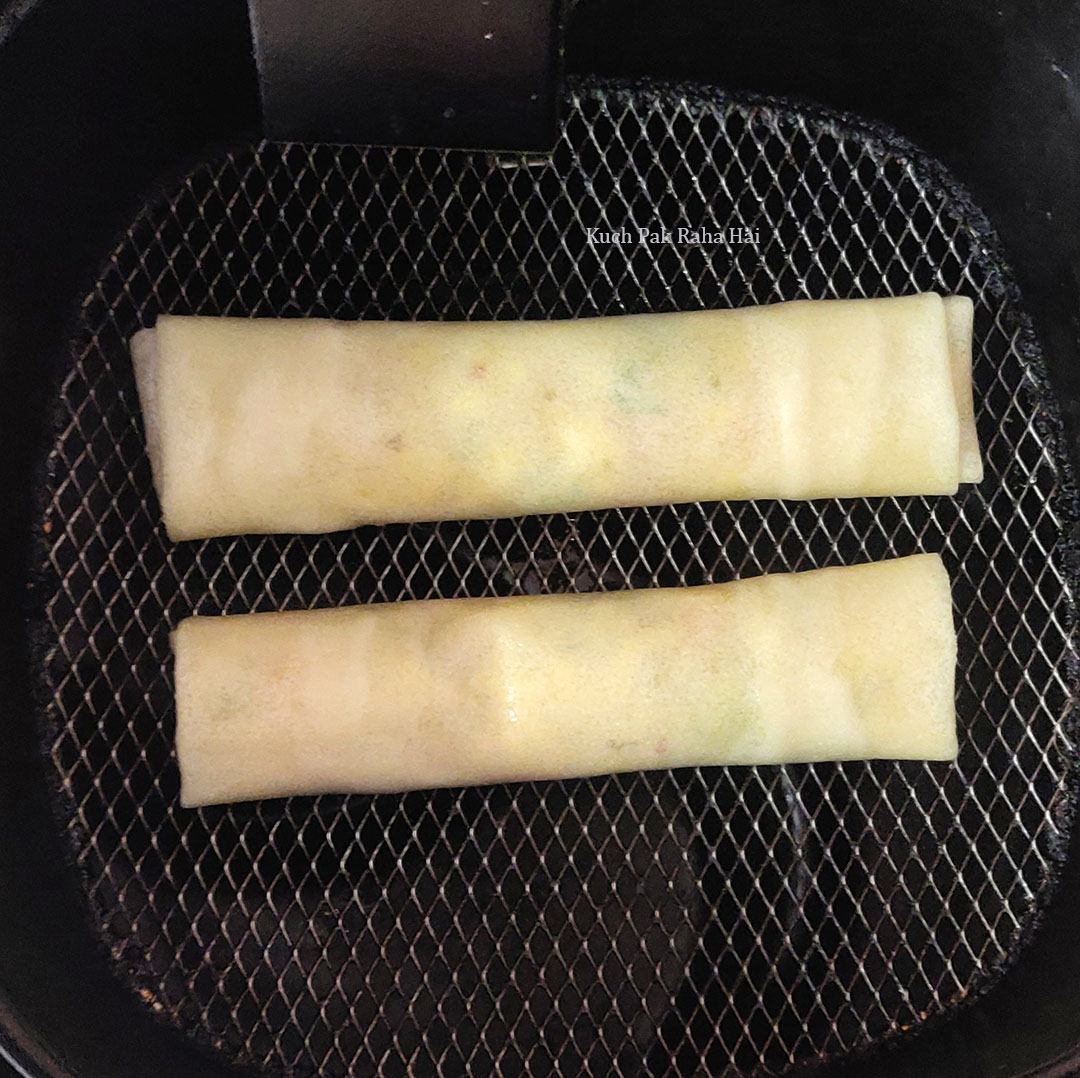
(832, 664)
(307, 425)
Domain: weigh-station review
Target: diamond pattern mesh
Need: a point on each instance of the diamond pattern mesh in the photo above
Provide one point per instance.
(733, 920)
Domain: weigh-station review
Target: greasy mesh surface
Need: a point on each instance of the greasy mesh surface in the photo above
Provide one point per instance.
(745, 917)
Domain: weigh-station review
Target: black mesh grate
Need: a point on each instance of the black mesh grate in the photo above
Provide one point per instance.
(742, 918)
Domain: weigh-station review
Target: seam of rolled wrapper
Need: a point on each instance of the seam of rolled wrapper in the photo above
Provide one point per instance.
(959, 325)
(144, 359)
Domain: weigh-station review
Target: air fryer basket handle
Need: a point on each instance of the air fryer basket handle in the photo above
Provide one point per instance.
(465, 73)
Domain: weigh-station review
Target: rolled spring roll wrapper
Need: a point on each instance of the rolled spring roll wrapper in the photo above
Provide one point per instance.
(832, 664)
(276, 425)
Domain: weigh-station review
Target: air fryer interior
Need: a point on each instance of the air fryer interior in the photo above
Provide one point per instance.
(738, 919)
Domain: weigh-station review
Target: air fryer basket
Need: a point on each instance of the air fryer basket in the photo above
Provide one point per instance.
(745, 921)
(747, 918)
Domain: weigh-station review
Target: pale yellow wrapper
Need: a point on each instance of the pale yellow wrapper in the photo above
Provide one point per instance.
(278, 425)
(832, 664)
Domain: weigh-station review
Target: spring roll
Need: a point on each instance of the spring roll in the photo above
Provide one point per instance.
(307, 425)
(831, 664)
